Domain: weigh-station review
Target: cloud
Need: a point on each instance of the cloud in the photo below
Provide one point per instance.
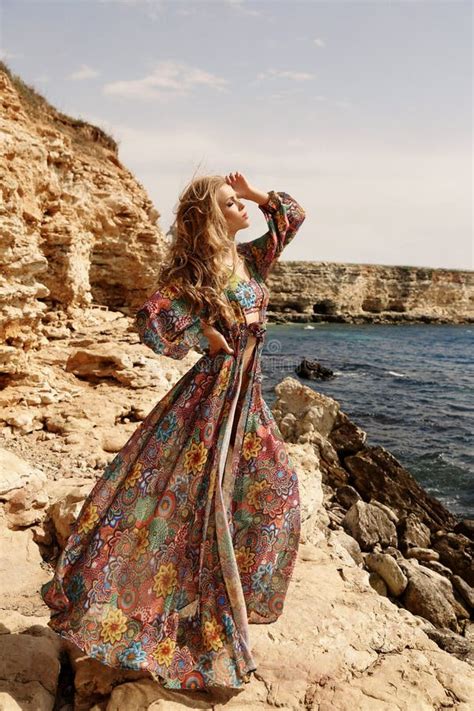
(174, 146)
(43, 78)
(183, 147)
(295, 143)
(242, 7)
(153, 9)
(170, 79)
(6, 54)
(84, 72)
(319, 42)
(285, 74)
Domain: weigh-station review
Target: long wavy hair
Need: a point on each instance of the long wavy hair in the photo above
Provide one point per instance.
(195, 259)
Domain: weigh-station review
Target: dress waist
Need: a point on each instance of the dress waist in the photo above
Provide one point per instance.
(255, 329)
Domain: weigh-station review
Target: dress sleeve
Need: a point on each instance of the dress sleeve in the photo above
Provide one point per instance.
(284, 217)
(166, 325)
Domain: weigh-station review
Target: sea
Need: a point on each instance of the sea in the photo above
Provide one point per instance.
(409, 386)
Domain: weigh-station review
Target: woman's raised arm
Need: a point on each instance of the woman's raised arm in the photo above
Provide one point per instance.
(284, 217)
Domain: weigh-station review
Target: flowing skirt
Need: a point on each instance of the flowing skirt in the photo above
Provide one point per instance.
(185, 540)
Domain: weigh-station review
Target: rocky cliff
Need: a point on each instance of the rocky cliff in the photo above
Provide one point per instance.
(75, 226)
(329, 291)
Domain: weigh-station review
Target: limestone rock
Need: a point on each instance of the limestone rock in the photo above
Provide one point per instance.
(21, 488)
(453, 643)
(101, 362)
(94, 681)
(313, 515)
(16, 473)
(302, 413)
(465, 590)
(64, 512)
(423, 554)
(113, 439)
(14, 622)
(347, 495)
(429, 596)
(346, 547)
(413, 532)
(346, 437)
(386, 509)
(378, 583)
(26, 507)
(369, 525)
(376, 473)
(29, 672)
(457, 552)
(365, 293)
(77, 226)
(388, 569)
(23, 421)
(22, 572)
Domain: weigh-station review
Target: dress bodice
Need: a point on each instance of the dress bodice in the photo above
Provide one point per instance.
(249, 295)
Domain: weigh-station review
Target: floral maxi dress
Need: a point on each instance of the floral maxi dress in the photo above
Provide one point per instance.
(188, 537)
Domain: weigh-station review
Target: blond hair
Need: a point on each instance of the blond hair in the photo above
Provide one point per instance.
(195, 259)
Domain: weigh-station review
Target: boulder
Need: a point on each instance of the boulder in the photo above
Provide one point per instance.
(29, 672)
(429, 595)
(22, 572)
(389, 570)
(369, 525)
(21, 490)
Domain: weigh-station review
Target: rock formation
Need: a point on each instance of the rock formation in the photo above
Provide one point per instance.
(76, 227)
(370, 293)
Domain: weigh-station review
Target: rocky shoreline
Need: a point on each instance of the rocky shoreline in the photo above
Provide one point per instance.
(381, 602)
(387, 318)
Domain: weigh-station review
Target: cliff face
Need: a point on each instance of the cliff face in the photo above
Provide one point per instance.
(76, 227)
(331, 291)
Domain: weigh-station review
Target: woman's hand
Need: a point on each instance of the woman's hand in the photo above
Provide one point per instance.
(216, 340)
(243, 188)
(239, 183)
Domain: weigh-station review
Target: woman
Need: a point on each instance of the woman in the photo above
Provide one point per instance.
(192, 531)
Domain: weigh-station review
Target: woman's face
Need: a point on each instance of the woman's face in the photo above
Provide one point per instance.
(232, 208)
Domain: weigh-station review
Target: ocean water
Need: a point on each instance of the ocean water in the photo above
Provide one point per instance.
(410, 387)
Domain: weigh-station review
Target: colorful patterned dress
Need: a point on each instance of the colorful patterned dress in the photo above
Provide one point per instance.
(185, 540)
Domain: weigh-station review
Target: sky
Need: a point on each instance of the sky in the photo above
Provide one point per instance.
(361, 111)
